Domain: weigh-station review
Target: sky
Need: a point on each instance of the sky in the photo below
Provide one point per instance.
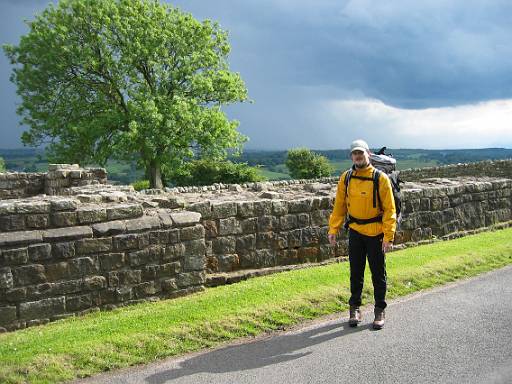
(430, 74)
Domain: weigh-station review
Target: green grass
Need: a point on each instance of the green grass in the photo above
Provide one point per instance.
(140, 334)
(270, 175)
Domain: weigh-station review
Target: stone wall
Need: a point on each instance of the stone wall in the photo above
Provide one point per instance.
(57, 181)
(102, 257)
(497, 168)
(101, 247)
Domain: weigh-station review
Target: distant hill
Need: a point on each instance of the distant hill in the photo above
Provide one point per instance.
(272, 162)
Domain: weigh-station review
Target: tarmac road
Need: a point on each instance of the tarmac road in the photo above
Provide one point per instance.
(459, 333)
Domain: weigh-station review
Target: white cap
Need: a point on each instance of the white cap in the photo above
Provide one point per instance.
(359, 145)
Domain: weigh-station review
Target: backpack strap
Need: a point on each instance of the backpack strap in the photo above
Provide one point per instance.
(376, 196)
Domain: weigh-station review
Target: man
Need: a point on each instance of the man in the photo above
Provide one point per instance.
(371, 228)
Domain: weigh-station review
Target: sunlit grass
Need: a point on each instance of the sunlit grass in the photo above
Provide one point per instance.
(103, 341)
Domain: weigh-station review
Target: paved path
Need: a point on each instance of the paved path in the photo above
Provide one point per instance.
(460, 333)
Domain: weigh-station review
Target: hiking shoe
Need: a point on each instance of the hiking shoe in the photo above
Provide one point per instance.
(378, 323)
(355, 316)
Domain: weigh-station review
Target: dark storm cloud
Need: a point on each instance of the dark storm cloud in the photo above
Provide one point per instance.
(295, 55)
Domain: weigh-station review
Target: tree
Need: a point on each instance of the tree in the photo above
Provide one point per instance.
(126, 79)
(2, 165)
(304, 164)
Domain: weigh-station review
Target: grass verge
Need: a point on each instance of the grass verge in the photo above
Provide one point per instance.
(139, 334)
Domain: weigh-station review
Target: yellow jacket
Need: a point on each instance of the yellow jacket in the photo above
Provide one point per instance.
(359, 204)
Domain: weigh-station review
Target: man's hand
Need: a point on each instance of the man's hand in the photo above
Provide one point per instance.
(332, 239)
(387, 246)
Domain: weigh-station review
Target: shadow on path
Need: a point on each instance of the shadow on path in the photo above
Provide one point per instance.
(256, 354)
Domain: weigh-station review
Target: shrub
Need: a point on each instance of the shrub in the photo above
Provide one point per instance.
(304, 164)
(206, 172)
(139, 185)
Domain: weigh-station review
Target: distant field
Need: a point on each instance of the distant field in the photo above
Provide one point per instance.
(270, 175)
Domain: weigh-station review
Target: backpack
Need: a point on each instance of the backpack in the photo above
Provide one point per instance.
(382, 163)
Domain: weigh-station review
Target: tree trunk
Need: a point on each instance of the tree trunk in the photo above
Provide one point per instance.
(155, 175)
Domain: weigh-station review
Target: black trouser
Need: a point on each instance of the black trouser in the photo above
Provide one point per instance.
(358, 247)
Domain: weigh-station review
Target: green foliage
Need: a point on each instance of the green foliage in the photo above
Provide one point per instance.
(206, 172)
(2, 165)
(304, 164)
(139, 185)
(125, 79)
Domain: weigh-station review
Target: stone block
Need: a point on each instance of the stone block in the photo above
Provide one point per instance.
(57, 271)
(169, 285)
(183, 219)
(288, 222)
(40, 252)
(6, 278)
(29, 274)
(65, 250)
(228, 263)
(310, 236)
(190, 279)
(145, 289)
(279, 207)
(300, 205)
(150, 255)
(64, 204)
(224, 245)
(204, 208)
(124, 278)
(159, 237)
(83, 266)
(90, 246)
(156, 272)
(267, 223)
(170, 202)
(42, 309)
(7, 207)
(295, 238)
(12, 223)
(110, 228)
(320, 217)
(15, 295)
(249, 225)
(192, 233)
(91, 215)
(165, 218)
(124, 211)
(265, 240)
(245, 209)
(264, 258)
(222, 210)
(67, 287)
(7, 315)
(31, 207)
(210, 227)
(263, 207)
(66, 234)
(245, 243)
(229, 226)
(78, 302)
(195, 255)
(142, 224)
(37, 221)
(64, 219)
(14, 256)
(111, 261)
(303, 220)
(173, 252)
(127, 242)
(174, 236)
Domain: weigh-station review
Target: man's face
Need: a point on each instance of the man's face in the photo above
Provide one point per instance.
(360, 159)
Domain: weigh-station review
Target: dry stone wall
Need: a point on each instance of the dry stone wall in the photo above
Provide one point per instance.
(102, 246)
(57, 181)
